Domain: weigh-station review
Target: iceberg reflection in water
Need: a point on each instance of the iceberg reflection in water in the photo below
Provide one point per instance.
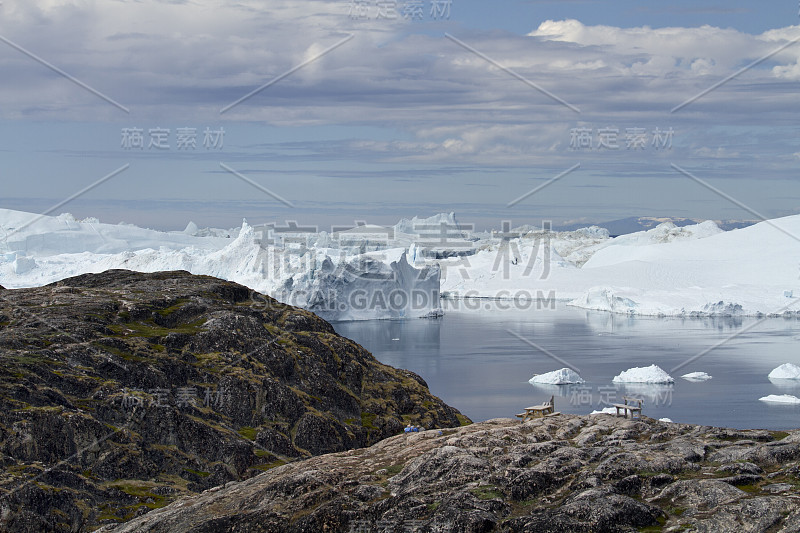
(470, 360)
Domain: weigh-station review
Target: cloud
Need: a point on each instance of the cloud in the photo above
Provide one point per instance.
(174, 62)
(668, 51)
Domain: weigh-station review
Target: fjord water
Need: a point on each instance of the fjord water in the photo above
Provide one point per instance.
(472, 359)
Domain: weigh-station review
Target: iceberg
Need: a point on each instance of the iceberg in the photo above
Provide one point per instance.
(647, 374)
(416, 225)
(665, 419)
(781, 398)
(365, 289)
(691, 271)
(605, 411)
(605, 299)
(562, 376)
(785, 371)
(696, 376)
(337, 285)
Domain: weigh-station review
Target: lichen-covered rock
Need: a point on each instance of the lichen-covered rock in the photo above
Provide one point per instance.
(506, 476)
(122, 391)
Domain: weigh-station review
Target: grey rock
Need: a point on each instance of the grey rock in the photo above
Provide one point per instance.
(121, 392)
(540, 480)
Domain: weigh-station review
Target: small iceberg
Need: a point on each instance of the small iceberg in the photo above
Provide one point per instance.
(646, 374)
(665, 419)
(785, 371)
(605, 411)
(781, 398)
(696, 376)
(563, 376)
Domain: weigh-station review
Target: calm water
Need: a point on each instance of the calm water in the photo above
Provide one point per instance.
(472, 360)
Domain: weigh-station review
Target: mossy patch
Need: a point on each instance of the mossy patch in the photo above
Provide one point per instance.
(488, 492)
(122, 354)
(368, 419)
(149, 329)
(173, 308)
(463, 420)
(393, 470)
(269, 466)
(197, 472)
(248, 432)
(779, 435)
(29, 359)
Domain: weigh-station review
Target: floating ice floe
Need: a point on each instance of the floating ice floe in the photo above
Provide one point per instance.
(665, 419)
(562, 376)
(646, 374)
(696, 376)
(781, 398)
(785, 371)
(605, 411)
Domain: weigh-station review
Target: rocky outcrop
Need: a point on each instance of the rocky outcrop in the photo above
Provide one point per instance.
(122, 391)
(564, 473)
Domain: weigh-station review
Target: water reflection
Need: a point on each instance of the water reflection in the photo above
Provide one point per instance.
(564, 391)
(651, 393)
(403, 335)
(607, 323)
(787, 385)
(470, 360)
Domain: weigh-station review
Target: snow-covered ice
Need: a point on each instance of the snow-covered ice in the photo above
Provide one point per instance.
(781, 398)
(696, 270)
(338, 286)
(785, 371)
(665, 419)
(562, 376)
(696, 376)
(646, 374)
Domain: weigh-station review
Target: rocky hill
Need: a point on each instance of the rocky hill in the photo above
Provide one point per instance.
(559, 474)
(121, 391)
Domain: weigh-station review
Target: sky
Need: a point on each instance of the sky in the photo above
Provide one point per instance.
(158, 112)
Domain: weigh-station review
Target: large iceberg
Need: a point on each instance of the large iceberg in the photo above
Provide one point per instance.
(562, 376)
(41, 250)
(364, 289)
(785, 371)
(647, 374)
(695, 270)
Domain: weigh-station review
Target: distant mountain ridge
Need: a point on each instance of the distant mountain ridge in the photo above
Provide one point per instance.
(624, 226)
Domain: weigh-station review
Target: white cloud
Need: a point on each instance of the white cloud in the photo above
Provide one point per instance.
(173, 60)
(719, 152)
(664, 51)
